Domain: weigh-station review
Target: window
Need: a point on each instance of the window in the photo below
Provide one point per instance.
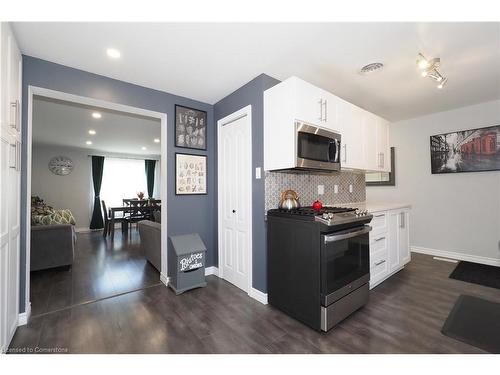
(122, 178)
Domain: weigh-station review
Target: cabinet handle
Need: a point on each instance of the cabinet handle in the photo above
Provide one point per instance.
(320, 110)
(345, 153)
(13, 150)
(402, 220)
(382, 156)
(14, 115)
(326, 110)
(379, 215)
(380, 262)
(379, 239)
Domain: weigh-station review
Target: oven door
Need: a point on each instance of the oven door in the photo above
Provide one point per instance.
(345, 262)
(317, 148)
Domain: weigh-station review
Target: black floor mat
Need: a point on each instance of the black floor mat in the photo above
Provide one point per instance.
(475, 321)
(477, 274)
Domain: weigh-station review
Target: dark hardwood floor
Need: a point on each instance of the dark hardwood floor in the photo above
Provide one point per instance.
(102, 268)
(405, 315)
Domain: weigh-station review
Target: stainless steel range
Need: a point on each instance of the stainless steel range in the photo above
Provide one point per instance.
(318, 263)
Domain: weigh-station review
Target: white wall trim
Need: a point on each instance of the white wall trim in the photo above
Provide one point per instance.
(258, 295)
(40, 91)
(211, 271)
(455, 255)
(164, 279)
(25, 316)
(243, 112)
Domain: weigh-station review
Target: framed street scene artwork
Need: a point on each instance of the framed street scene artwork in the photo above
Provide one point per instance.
(190, 128)
(474, 150)
(190, 174)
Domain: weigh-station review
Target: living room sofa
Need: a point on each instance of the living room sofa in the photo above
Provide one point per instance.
(52, 246)
(150, 233)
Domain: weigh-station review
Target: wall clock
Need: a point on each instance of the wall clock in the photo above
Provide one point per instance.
(61, 165)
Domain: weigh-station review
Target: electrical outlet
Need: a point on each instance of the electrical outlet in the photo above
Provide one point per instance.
(321, 189)
(257, 173)
(335, 189)
(350, 188)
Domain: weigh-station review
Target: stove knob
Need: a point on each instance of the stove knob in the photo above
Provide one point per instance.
(330, 215)
(325, 216)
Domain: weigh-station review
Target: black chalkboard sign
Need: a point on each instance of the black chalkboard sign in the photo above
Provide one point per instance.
(190, 128)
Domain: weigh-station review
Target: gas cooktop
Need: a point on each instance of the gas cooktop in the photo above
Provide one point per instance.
(326, 215)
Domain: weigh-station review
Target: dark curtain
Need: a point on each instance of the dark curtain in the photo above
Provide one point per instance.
(97, 168)
(150, 176)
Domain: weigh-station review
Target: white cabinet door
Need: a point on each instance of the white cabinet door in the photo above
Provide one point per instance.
(383, 153)
(394, 254)
(14, 84)
(3, 75)
(404, 237)
(370, 141)
(350, 122)
(311, 103)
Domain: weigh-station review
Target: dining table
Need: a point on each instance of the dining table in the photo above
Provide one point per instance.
(132, 210)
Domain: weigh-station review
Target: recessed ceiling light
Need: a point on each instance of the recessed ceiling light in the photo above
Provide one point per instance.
(96, 115)
(157, 140)
(370, 68)
(113, 53)
(143, 148)
(92, 132)
(89, 142)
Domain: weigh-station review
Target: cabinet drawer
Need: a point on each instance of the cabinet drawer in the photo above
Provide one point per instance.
(379, 221)
(378, 241)
(379, 266)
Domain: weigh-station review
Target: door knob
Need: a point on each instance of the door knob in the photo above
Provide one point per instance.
(234, 211)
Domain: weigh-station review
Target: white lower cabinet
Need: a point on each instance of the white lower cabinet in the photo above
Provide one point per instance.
(389, 244)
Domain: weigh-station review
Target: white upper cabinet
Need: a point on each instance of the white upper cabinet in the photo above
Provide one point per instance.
(10, 81)
(350, 125)
(365, 144)
(383, 149)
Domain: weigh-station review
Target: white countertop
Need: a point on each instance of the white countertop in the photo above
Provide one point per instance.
(376, 206)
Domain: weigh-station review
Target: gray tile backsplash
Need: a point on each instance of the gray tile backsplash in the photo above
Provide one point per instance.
(306, 186)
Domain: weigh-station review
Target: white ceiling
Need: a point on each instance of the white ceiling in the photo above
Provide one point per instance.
(207, 61)
(67, 124)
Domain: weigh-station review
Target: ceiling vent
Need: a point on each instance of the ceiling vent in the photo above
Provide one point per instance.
(371, 68)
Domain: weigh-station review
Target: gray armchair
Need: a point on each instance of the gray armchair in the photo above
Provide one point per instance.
(52, 246)
(150, 233)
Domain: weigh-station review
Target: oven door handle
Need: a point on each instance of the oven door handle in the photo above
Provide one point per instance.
(344, 235)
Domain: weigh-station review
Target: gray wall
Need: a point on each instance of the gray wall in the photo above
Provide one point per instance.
(454, 212)
(74, 191)
(190, 213)
(253, 94)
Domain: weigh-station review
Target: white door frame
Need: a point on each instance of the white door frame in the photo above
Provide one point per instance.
(40, 91)
(244, 112)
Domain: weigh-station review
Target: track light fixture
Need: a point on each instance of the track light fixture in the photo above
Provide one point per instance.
(429, 68)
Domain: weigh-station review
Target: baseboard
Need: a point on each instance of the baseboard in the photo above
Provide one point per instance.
(83, 230)
(25, 316)
(258, 295)
(164, 279)
(211, 271)
(457, 256)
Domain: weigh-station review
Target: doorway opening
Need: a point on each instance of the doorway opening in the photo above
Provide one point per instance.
(96, 200)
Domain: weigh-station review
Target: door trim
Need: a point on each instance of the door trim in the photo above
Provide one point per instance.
(40, 91)
(244, 112)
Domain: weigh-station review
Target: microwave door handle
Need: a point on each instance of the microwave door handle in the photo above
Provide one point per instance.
(337, 151)
(346, 235)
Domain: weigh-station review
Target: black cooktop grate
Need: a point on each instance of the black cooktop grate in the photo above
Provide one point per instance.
(309, 211)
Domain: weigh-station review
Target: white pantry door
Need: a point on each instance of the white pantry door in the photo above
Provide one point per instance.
(235, 189)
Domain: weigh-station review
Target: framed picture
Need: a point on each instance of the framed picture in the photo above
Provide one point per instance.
(190, 174)
(190, 128)
(474, 150)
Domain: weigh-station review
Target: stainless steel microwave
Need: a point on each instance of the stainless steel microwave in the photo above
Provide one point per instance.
(317, 149)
